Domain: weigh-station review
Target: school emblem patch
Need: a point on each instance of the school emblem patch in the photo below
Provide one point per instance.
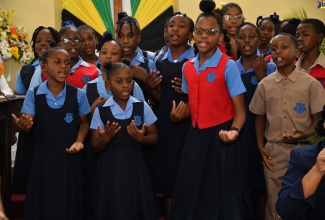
(68, 117)
(85, 79)
(137, 120)
(254, 80)
(211, 77)
(300, 108)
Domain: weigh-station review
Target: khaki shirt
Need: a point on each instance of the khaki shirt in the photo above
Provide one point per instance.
(287, 102)
(320, 61)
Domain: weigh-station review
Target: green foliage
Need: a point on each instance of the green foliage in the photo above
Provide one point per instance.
(322, 46)
(299, 13)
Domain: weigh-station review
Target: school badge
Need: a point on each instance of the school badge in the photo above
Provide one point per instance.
(211, 77)
(68, 117)
(137, 120)
(300, 108)
(85, 79)
(254, 80)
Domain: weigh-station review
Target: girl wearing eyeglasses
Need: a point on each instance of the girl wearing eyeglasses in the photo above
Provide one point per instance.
(208, 185)
(232, 17)
(81, 72)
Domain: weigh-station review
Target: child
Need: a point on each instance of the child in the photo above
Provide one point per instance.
(208, 182)
(266, 25)
(129, 35)
(120, 126)
(109, 50)
(81, 72)
(232, 16)
(253, 69)
(89, 42)
(57, 116)
(171, 135)
(310, 34)
(41, 38)
(287, 105)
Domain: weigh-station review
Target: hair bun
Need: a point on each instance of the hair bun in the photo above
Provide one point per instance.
(121, 15)
(107, 35)
(107, 65)
(207, 5)
(126, 61)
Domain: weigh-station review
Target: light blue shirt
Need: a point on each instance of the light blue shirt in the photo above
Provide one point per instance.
(37, 78)
(55, 103)
(148, 116)
(101, 89)
(150, 55)
(138, 59)
(186, 55)
(233, 80)
(19, 87)
(271, 67)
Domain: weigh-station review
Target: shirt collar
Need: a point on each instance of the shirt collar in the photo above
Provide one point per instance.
(211, 62)
(293, 75)
(111, 102)
(43, 89)
(188, 54)
(80, 62)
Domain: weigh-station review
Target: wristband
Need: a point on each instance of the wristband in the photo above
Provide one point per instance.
(234, 129)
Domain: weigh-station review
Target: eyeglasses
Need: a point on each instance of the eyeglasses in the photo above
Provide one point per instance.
(70, 41)
(231, 17)
(210, 32)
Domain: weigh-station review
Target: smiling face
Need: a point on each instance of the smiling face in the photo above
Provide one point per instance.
(57, 66)
(73, 49)
(307, 37)
(42, 41)
(179, 30)
(247, 40)
(232, 24)
(110, 52)
(89, 42)
(206, 44)
(120, 83)
(267, 31)
(129, 38)
(283, 51)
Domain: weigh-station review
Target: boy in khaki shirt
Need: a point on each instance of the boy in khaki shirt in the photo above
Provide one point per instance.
(287, 104)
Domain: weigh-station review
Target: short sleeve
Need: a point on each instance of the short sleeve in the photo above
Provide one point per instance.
(96, 120)
(29, 103)
(233, 79)
(148, 115)
(83, 107)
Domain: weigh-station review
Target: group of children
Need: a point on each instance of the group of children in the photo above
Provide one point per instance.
(209, 121)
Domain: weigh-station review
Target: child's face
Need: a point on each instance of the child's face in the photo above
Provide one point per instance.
(120, 83)
(74, 46)
(110, 52)
(207, 44)
(42, 41)
(57, 66)
(178, 31)
(307, 38)
(267, 31)
(283, 51)
(129, 39)
(232, 23)
(89, 42)
(247, 40)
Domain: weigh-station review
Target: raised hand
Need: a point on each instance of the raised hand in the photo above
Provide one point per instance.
(135, 133)
(180, 112)
(260, 67)
(177, 85)
(111, 129)
(153, 80)
(98, 101)
(24, 123)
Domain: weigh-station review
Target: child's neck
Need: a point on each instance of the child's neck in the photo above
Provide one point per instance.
(55, 87)
(121, 103)
(131, 56)
(286, 70)
(73, 61)
(205, 56)
(264, 48)
(247, 61)
(309, 58)
(89, 58)
(177, 51)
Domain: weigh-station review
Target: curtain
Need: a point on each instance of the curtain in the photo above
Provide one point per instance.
(134, 6)
(104, 9)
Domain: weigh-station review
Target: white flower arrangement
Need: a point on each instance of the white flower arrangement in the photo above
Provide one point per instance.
(12, 39)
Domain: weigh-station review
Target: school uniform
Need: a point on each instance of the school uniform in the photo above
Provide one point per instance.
(317, 70)
(145, 53)
(292, 204)
(251, 154)
(208, 181)
(259, 52)
(171, 135)
(97, 87)
(287, 103)
(80, 74)
(24, 76)
(122, 187)
(55, 181)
